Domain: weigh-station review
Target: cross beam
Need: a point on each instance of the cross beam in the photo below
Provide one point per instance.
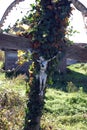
(13, 42)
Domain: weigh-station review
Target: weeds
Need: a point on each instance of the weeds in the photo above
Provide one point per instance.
(12, 107)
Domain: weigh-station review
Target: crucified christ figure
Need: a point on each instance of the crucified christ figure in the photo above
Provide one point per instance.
(42, 75)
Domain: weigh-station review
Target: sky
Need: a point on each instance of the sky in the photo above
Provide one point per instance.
(76, 18)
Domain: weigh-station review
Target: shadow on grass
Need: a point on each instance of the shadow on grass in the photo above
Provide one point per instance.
(62, 81)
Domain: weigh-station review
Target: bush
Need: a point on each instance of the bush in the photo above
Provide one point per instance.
(12, 111)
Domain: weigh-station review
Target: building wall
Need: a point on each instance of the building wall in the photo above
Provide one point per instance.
(11, 62)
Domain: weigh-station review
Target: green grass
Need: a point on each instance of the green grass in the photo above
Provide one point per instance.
(65, 101)
(16, 84)
(76, 76)
(65, 110)
(80, 68)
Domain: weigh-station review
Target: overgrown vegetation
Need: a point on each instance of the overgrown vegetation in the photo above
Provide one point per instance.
(63, 110)
(12, 103)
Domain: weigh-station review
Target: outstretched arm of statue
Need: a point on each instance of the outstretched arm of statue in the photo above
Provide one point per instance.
(51, 58)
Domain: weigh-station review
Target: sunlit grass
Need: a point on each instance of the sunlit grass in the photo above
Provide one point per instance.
(65, 111)
(15, 84)
(80, 68)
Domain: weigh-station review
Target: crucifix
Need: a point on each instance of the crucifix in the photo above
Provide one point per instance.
(42, 74)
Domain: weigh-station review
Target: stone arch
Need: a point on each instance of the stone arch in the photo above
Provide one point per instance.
(85, 21)
(79, 6)
(8, 10)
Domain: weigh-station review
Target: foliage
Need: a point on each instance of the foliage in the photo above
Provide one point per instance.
(12, 110)
(23, 56)
(62, 110)
(12, 102)
(47, 26)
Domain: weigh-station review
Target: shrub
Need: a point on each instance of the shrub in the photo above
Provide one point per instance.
(12, 111)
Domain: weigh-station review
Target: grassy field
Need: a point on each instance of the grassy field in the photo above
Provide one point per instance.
(65, 101)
